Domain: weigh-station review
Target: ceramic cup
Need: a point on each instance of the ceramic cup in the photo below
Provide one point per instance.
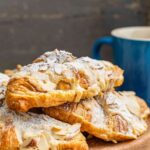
(131, 51)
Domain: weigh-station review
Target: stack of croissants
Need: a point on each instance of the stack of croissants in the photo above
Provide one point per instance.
(52, 102)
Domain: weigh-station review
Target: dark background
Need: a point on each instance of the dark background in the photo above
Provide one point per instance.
(30, 27)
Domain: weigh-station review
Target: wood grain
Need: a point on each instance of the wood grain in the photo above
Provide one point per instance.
(142, 143)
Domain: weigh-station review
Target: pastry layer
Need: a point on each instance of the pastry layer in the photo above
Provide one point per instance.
(111, 117)
(55, 81)
(29, 131)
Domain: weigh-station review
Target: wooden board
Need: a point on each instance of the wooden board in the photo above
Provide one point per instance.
(142, 143)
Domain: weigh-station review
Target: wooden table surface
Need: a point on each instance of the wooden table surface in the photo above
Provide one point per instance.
(142, 143)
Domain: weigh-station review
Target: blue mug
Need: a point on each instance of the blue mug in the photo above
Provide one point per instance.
(131, 51)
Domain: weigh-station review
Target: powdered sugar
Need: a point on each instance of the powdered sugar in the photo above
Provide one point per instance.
(56, 56)
(52, 67)
(29, 126)
(117, 104)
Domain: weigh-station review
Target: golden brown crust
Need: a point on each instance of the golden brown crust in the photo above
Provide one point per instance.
(120, 123)
(51, 84)
(8, 138)
(85, 125)
(9, 141)
(22, 95)
(77, 144)
(29, 131)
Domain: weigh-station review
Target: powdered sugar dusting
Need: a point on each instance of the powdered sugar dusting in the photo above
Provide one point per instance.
(116, 104)
(53, 67)
(110, 113)
(56, 56)
(30, 126)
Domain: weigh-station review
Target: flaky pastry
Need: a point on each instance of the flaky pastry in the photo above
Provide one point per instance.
(48, 83)
(29, 131)
(111, 117)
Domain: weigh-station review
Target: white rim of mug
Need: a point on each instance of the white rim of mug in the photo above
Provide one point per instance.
(113, 33)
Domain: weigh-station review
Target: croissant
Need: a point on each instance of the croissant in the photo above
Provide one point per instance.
(46, 84)
(112, 116)
(29, 131)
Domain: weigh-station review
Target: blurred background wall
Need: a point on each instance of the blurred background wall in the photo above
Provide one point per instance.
(30, 27)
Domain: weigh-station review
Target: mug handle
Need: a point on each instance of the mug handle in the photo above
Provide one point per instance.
(107, 40)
